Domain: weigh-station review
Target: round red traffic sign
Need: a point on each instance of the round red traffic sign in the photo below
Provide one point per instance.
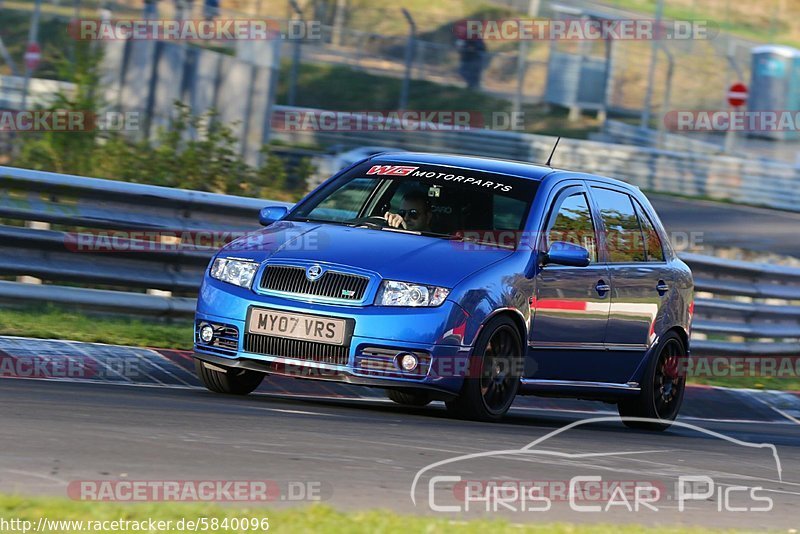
(33, 55)
(737, 94)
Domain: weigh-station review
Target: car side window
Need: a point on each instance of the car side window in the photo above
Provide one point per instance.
(623, 233)
(571, 221)
(652, 242)
(345, 203)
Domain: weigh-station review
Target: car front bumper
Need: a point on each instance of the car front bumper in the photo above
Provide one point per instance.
(380, 335)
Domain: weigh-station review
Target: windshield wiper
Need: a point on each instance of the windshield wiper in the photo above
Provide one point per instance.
(366, 224)
(321, 221)
(369, 221)
(401, 230)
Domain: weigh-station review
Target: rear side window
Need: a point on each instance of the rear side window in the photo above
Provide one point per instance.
(572, 222)
(624, 238)
(652, 243)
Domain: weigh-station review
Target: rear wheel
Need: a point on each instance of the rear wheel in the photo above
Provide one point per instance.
(494, 375)
(663, 387)
(409, 398)
(231, 381)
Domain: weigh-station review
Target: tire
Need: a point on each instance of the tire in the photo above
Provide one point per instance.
(409, 398)
(229, 381)
(662, 388)
(497, 364)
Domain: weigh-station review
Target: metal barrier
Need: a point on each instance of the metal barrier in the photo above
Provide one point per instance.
(628, 134)
(115, 236)
(741, 308)
(41, 92)
(744, 308)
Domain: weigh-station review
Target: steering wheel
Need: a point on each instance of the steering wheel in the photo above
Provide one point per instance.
(374, 221)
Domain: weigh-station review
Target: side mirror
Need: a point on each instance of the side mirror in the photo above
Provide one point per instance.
(563, 253)
(271, 214)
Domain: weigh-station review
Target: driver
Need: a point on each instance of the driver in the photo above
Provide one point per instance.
(414, 213)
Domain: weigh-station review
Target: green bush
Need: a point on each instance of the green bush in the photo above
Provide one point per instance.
(209, 160)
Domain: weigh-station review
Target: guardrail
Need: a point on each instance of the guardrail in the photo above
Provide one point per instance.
(41, 92)
(741, 308)
(744, 308)
(628, 134)
(119, 268)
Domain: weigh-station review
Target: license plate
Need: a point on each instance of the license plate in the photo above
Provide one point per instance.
(297, 326)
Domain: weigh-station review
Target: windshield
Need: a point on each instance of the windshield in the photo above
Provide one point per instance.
(422, 199)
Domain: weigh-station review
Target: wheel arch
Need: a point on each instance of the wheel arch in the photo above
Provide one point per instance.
(516, 317)
(653, 350)
(682, 334)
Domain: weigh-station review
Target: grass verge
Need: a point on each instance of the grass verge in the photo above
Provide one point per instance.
(51, 322)
(318, 518)
(750, 382)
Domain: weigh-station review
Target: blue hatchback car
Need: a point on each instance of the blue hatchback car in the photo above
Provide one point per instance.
(454, 278)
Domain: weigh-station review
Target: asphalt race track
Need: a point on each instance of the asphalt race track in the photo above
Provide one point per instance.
(358, 450)
(717, 224)
(364, 453)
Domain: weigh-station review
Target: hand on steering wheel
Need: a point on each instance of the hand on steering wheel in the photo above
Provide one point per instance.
(394, 220)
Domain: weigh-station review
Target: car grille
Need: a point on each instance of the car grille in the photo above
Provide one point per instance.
(309, 351)
(332, 284)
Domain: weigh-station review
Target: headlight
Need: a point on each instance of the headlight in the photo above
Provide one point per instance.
(393, 293)
(235, 272)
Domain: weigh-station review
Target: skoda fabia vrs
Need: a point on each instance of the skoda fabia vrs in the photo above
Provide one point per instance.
(460, 279)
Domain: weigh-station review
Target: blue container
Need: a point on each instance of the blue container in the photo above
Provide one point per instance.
(775, 85)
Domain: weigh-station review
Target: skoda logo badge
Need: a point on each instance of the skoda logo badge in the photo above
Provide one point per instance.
(313, 273)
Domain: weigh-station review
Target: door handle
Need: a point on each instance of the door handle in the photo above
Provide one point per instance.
(602, 288)
(662, 287)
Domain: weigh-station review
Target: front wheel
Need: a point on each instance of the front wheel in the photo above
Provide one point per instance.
(494, 375)
(662, 391)
(230, 381)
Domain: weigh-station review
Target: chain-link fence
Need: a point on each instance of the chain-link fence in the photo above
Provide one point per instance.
(690, 74)
(701, 67)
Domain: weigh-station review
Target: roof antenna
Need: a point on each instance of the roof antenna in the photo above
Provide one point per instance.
(553, 151)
